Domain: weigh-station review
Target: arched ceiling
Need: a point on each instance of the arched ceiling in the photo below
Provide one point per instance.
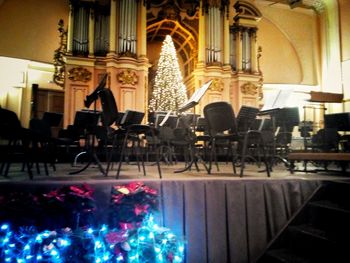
(307, 4)
(185, 43)
(180, 21)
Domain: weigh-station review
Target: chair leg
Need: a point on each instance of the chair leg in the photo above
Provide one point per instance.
(212, 153)
(265, 157)
(233, 159)
(141, 155)
(122, 155)
(243, 155)
(157, 155)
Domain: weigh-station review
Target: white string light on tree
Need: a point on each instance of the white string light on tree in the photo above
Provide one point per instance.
(169, 92)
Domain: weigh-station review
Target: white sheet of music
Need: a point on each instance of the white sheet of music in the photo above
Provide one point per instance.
(197, 95)
(165, 118)
(277, 100)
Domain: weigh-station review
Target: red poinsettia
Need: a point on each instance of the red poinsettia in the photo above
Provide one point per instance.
(56, 194)
(84, 191)
(116, 237)
(132, 202)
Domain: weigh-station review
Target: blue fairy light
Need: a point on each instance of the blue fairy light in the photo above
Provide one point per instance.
(151, 235)
(160, 257)
(177, 259)
(98, 244)
(103, 228)
(120, 258)
(26, 247)
(39, 239)
(105, 257)
(4, 226)
(54, 253)
(108, 245)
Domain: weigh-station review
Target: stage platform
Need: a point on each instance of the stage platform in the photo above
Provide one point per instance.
(221, 217)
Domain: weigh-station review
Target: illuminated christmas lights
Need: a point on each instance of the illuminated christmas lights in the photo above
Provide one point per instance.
(169, 91)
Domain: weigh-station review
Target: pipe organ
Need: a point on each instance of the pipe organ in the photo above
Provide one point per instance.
(81, 30)
(101, 36)
(214, 35)
(117, 36)
(127, 26)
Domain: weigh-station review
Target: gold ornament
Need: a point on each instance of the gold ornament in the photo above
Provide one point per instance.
(127, 77)
(249, 89)
(217, 85)
(79, 74)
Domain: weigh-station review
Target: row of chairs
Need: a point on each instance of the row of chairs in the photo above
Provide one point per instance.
(237, 136)
(240, 138)
(29, 146)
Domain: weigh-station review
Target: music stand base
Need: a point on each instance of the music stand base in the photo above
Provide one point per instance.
(94, 159)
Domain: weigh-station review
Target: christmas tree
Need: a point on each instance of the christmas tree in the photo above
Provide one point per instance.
(169, 91)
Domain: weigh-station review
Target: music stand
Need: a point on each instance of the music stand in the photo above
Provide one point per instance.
(167, 121)
(90, 120)
(273, 106)
(131, 117)
(196, 97)
(339, 121)
(192, 102)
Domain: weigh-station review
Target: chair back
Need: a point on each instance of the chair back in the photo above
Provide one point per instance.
(202, 125)
(10, 125)
(246, 117)
(187, 121)
(53, 119)
(109, 107)
(220, 118)
(287, 118)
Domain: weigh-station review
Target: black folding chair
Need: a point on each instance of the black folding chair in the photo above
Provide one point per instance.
(129, 130)
(222, 129)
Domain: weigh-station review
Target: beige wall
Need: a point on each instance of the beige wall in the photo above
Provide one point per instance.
(28, 28)
(344, 12)
(290, 46)
(280, 62)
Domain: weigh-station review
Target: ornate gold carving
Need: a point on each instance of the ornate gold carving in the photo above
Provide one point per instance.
(59, 62)
(249, 89)
(79, 74)
(127, 77)
(217, 85)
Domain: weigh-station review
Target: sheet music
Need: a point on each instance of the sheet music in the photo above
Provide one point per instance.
(196, 96)
(165, 118)
(123, 120)
(277, 100)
